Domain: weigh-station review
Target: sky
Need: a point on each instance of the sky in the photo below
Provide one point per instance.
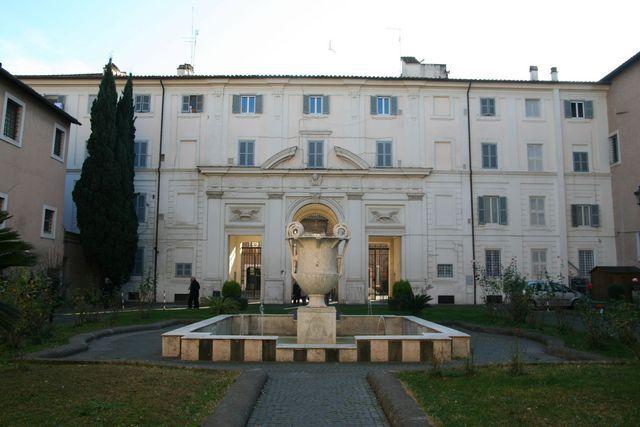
(476, 39)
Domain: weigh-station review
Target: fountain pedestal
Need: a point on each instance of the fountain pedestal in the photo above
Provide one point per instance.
(316, 325)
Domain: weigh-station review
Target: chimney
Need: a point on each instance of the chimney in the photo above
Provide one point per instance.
(533, 72)
(185, 70)
(411, 67)
(554, 74)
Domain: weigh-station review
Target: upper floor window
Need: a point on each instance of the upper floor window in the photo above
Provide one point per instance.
(487, 106)
(57, 100)
(492, 210)
(90, 101)
(57, 149)
(247, 104)
(140, 206)
(578, 109)
(192, 103)
(534, 157)
(489, 156)
(383, 154)
(13, 120)
(536, 211)
(48, 222)
(141, 158)
(142, 103)
(384, 105)
(580, 161)
(246, 153)
(614, 149)
(138, 263)
(316, 154)
(585, 215)
(532, 108)
(316, 104)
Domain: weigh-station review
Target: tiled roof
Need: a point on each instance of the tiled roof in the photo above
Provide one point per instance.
(294, 76)
(36, 96)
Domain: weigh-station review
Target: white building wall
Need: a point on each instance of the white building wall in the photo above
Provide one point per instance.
(427, 187)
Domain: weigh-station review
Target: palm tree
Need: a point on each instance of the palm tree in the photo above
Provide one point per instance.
(14, 252)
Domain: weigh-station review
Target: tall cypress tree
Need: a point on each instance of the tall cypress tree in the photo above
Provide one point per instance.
(104, 193)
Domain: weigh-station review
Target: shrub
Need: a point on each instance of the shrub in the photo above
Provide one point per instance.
(417, 303)
(594, 323)
(231, 289)
(145, 294)
(615, 292)
(221, 305)
(9, 316)
(401, 295)
(516, 295)
(244, 303)
(30, 293)
(624, 318)
(86, 305)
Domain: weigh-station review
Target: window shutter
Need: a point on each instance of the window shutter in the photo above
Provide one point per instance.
(374, 106)
(258, 104)
(325, 104)
(394, 105)
(503, 210)
(567, 108)
(588, 109)
(574, 215)
(481, 211)
(305, 104)
(235, 105)
(595, 215)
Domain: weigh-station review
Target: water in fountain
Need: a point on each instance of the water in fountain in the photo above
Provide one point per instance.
(261, 318)
(382, 320)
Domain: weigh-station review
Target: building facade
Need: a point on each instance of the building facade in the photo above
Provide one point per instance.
(33, 146)
(429, 173)
(623, 100)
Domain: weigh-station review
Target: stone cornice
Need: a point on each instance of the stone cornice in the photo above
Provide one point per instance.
(387, 172)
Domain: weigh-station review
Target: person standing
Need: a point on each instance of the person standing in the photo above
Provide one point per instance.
(194, 293)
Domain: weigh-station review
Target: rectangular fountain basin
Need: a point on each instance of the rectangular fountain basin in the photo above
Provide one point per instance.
(272, 338)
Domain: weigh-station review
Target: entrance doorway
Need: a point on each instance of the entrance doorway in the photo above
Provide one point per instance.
(245, 264)
(384, 266)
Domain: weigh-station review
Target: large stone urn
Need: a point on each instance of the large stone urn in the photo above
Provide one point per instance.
(316, 264)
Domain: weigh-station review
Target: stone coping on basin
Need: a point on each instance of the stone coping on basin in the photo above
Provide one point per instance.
(195, 326)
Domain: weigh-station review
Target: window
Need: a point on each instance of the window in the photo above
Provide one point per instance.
(532, 108)
(48, 222)
(57, 150)
(492, 210)
(90, 101)
(138, 263)
(316, 104)
(585, 262)
(13, 120)
(57, 100)
(580, 161)
(140, 205)
(183, 269)
(487, 106)
(192, 103)
(141, 159)
(489, 156)
(538, 263)
(4, 205)
(614, 149)
(534, 157)
(445, 270)
(578, 109)
(492, 265)
(585, 215)
(383, 154)
(246, 153)
(248, 104)
(316, 154)
(536, 210)
(142, 103)
(384, 105)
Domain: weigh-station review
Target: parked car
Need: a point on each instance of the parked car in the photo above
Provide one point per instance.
(552, 294)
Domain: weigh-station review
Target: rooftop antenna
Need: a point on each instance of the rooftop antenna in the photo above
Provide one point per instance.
(192, 38)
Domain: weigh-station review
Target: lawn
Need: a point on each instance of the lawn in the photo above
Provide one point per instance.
(546, 395)
(57, 394)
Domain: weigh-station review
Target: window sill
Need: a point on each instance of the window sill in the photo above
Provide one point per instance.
(17, 143)
(488, 118)
(151, 114)
(58, 158)
(48, 236)
(450, 117)
(315, 116)
(190, 114)
(247, 116)
(534, 119)
(577, 120)
(383, 116)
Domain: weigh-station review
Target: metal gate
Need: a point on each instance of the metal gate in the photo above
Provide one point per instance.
(250, 266)
(378, 271)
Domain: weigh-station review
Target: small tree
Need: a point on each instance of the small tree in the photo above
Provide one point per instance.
(512, 287)
(145, 294)
(14, 252)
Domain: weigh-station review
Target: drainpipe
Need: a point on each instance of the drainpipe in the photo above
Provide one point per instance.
(159, 172)
(471, 199)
